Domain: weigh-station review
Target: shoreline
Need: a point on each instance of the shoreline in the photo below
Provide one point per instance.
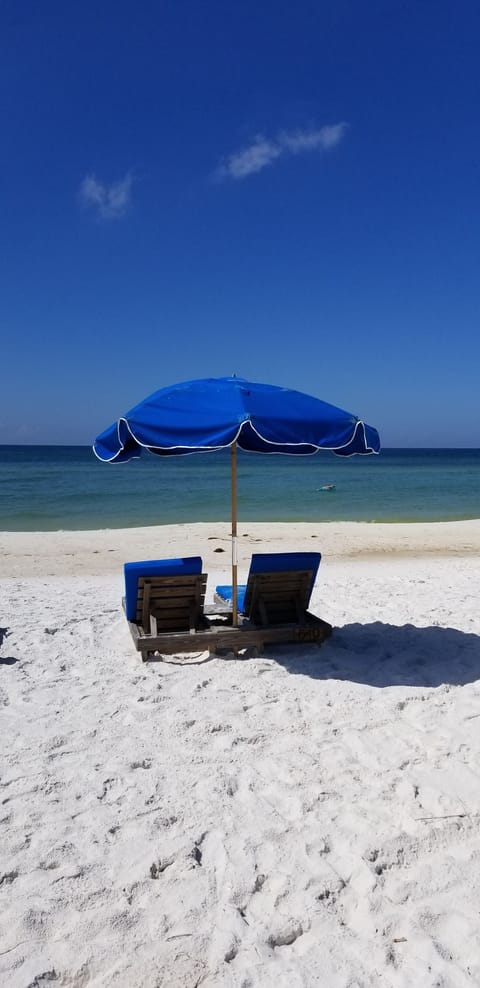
(103, 551)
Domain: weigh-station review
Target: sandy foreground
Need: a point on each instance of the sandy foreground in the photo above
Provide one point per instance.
(310, 816)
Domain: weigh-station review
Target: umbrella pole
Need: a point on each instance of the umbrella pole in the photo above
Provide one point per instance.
(234, 535)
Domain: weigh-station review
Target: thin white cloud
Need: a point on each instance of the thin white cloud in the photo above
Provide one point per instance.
(110, 202)
(263, 151)
(252, 159)
(322, 139)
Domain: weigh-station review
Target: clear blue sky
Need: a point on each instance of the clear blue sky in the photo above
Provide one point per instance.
(285, 191)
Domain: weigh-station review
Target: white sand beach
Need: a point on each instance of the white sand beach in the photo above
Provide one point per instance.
(310, 816)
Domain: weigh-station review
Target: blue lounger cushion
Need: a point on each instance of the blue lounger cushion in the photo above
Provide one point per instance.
(225, 591)
(273, 562)
(154, 567)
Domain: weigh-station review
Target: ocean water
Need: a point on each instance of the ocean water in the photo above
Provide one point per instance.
(48, 488)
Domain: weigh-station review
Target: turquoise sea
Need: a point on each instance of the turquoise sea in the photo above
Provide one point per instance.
(47, 488)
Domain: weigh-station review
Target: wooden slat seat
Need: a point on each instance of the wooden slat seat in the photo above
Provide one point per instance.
(164, 599)
(171, 603)
(278, 598)
(277, 594)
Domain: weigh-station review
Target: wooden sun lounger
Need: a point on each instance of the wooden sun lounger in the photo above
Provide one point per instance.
(171, 617)
(278, 597)
(169, 613)
(224, 638)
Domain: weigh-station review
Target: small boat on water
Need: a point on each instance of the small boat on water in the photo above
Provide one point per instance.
(327, 487)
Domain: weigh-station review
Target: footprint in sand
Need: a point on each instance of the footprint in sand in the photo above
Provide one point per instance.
(8, 877)
(145, 763)
(286, 936)
(158, 867)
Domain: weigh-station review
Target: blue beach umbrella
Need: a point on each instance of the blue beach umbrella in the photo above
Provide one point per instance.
(210, 414)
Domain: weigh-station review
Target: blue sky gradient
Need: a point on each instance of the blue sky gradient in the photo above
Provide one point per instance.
(288, 192)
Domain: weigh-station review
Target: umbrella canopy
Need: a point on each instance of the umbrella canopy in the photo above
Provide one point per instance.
(210, 414)
(198, 416)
